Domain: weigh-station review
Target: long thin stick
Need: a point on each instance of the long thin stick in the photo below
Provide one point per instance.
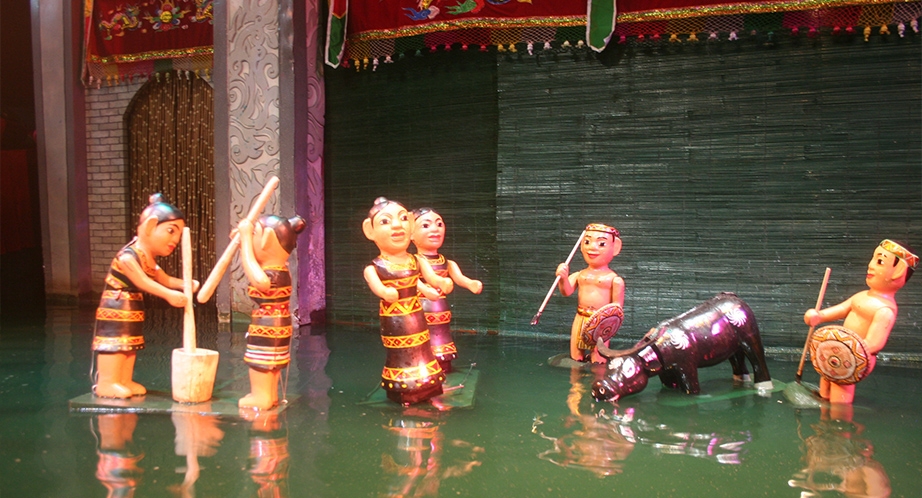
(550, 292)
(819, 302)
(188, 318)
(220, 267)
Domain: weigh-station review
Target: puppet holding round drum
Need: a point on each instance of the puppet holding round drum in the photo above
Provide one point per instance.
(428, 236)
(599, 311)
(843, 355)
(411, 371)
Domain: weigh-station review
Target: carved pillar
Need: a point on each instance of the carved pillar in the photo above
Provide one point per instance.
(269, 121)
(309, 181)
(252, 93)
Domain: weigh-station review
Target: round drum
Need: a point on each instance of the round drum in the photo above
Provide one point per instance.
(603, 324)
(839, 355)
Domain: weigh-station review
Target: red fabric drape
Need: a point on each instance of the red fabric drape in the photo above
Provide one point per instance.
(127, 38)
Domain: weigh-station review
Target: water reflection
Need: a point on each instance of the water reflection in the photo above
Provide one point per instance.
(596, 444)
(118, 468)
(838, 459)
(269, 456)
(422, 457)
(261, 439)
(313, 385)
(196, 436)
(604, 435)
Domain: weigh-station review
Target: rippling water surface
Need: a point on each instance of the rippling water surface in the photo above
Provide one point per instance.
(533, 429)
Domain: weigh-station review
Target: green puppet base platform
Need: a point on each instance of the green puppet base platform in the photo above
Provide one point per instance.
(222, 403)
(457, 392)
(716, 390)
(563, 360)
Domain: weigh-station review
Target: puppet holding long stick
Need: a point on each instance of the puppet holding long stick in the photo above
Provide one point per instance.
(120, 317)
(264, 250)
(843, 355)
(601, 292)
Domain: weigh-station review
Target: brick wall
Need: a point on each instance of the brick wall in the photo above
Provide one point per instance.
(107, 173)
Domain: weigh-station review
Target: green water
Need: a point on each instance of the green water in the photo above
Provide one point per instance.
(533, 430)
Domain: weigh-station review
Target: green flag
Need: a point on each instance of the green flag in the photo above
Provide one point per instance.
(600, 23)
(336, 31)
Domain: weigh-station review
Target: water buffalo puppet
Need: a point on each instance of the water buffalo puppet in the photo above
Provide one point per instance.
(721, 328)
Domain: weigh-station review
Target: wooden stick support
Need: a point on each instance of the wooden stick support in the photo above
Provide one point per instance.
(188, 318)
(208, 288)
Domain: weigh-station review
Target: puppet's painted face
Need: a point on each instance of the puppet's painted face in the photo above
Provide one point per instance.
(429, 233)
(881, 269)
(599, 248)
(392, 228)
(164, 238)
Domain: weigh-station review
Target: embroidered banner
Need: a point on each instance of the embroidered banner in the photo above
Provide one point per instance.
(378, 29)
(126, 39)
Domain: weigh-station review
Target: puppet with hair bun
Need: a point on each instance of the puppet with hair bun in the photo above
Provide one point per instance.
(843, 355)
(428, 236)
(264, 250)
(411, 372)
(120, 317)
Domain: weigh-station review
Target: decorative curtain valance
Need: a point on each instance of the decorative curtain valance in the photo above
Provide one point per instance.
(367, 32)
(128, 39)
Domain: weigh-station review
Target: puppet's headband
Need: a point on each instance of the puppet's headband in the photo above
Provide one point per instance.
(901, 252)
(598, 227)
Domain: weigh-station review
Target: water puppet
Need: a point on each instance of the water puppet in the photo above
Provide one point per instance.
(264, 250)
(599, 310)
(118, 334)
(428, 237)
(411, 372)
(845, 354)
(722, 328)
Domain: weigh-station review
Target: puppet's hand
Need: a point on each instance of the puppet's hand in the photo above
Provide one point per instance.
(245, 227)
(429, 292)
(563, 271)
(176, 298)
(812, 317)
(476, 286)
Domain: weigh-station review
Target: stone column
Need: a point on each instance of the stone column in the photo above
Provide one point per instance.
(251, 83)
(269, 121)
(61, 149)
(309, 178)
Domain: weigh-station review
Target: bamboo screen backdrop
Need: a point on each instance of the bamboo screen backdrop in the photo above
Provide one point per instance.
(424, 134)
(727, 167)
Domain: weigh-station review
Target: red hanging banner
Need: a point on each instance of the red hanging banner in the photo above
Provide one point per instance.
(126, 39)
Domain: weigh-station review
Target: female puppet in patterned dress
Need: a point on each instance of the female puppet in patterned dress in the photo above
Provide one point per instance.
(428, 236)
(264, 251)
(120, 317)
(411, 372)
